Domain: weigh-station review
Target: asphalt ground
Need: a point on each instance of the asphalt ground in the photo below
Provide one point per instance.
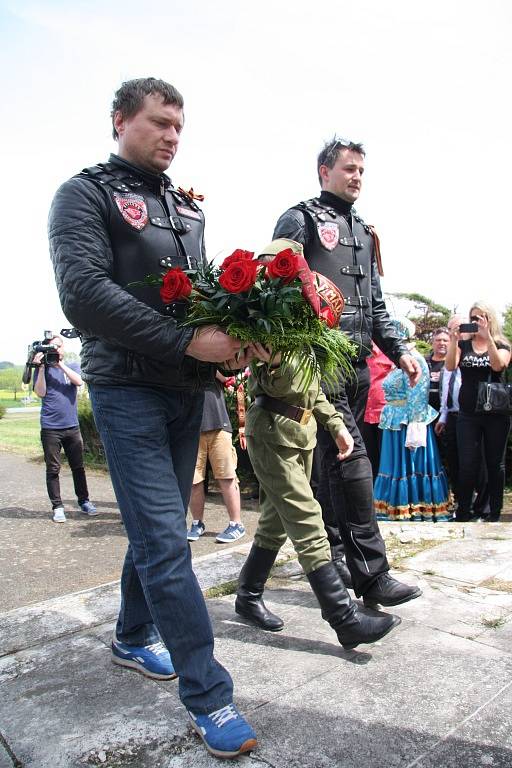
(40, 559)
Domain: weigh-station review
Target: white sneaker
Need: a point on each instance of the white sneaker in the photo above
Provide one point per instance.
(58, 515)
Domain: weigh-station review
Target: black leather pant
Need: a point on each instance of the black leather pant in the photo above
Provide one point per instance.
(345, 491)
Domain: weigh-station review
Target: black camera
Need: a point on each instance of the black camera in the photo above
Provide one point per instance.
(468, 328)
(50, 355)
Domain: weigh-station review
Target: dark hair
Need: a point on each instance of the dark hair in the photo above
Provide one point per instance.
(440, 330)
(129, 98)
(331, 150)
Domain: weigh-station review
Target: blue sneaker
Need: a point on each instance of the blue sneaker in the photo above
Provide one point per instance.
(152, 660)
(88, 508)
(225, 732)
(196, 530)
(233, 532)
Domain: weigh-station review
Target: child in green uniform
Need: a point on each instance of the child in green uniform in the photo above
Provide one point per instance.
(281, 435)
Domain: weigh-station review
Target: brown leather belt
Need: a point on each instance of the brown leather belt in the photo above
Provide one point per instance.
(272, 404)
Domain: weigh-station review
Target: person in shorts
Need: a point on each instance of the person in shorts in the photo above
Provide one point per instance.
(216, 447)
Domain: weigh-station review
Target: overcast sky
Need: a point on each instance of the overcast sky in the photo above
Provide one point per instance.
(425, 86)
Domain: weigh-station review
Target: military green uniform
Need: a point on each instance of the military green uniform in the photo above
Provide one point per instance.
(281, 453)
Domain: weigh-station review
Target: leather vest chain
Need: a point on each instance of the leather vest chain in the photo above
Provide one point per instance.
(150, 229)
(344, 255)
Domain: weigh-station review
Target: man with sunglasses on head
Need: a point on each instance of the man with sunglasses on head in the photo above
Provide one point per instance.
(340, 245)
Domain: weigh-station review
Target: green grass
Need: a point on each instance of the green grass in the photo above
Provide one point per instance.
(19, 433)
(493, 623)
(228, 588)
(398, 551)
(7, 398)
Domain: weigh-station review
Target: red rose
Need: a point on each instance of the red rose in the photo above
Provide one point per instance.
(239, 276)
(238, 255)
(175, 286)
(285, 265)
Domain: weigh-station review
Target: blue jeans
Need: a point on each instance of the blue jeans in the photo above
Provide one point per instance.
(150, 439)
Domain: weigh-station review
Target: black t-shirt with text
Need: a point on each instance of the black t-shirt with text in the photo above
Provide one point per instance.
(474, 368)
(435, 367)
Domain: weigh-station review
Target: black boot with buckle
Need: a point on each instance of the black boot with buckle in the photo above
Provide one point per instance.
(339, 610)
(251, 583)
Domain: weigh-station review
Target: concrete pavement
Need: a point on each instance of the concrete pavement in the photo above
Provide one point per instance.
(436, 692)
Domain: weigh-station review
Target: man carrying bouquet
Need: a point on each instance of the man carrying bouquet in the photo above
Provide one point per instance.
(339, 245)
(109, 227)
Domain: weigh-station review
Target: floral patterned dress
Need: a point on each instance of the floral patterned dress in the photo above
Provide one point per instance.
(411, 484)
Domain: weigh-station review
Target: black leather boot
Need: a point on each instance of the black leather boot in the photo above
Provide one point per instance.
(351, 626)
(251, 583)
(386, 590)
(344, 572)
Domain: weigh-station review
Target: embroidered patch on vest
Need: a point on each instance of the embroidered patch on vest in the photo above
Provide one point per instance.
(329, 234)
(188, 212)
(133, 210)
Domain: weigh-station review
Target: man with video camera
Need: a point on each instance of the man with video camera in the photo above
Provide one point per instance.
(56, 383)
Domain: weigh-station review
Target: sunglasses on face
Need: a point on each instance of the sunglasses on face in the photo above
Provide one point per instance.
(475, 318)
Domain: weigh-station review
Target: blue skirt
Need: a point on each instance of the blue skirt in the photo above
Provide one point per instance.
(411, 485)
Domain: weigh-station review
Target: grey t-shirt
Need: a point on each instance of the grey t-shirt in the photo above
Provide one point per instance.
(215, 413)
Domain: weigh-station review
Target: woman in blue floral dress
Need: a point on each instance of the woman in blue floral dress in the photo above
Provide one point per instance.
(411, 484)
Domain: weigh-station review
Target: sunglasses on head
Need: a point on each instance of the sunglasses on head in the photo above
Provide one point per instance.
(340, 143)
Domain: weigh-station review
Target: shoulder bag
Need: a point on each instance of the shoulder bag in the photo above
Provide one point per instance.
(494, 397)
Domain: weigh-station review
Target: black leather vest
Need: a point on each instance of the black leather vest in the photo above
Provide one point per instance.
(344, 254)
(152, 227)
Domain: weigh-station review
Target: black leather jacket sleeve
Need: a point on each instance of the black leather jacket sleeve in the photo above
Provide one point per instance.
(83, 262)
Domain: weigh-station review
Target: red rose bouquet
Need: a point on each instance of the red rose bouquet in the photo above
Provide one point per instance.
(274, 303)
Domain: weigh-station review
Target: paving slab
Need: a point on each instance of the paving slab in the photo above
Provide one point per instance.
(471, 560)
(67, 699)
(459, 610)
(413, 687)
(36, 624)
(5, 760)
(435, 692)
(482, 739)
(313, 704)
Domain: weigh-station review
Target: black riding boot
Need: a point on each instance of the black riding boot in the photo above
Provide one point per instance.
(344, 572)
(351, 626)
(251, 583)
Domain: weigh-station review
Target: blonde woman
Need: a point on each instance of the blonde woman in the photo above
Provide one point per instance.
(481, 355)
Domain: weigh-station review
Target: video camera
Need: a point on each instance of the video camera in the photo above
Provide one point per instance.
(50, 352)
